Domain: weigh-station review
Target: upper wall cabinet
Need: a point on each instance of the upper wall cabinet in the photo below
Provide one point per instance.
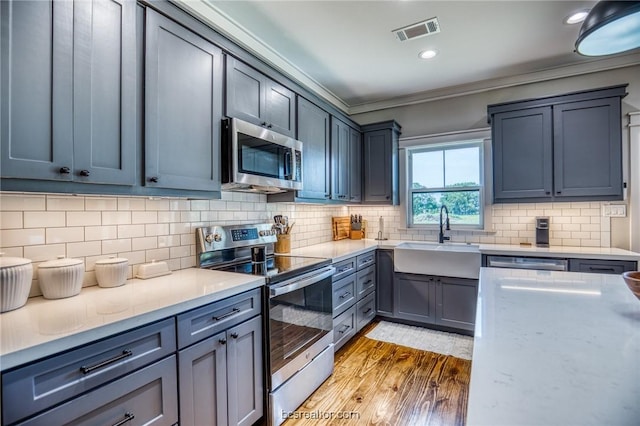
(560, 148)
(380, 163)
(253, 97)
(346, 162)
(314, 133)
(183, 107)
(67, 91)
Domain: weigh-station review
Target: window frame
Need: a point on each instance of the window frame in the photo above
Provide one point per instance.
(444, 146)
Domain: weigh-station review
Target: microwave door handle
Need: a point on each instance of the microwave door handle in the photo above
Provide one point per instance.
(288, 160)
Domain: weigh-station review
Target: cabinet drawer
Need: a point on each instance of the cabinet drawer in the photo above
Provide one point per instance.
(366, 281)
(40, 385)
(365, 260)
(146, 397)
(602, 266)
(344, 268)
(344, 294)
(365, 311)
(206, 321)
(344, 327)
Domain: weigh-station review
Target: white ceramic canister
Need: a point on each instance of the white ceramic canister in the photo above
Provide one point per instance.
(112, 272)
(61, 277)
(15, 282)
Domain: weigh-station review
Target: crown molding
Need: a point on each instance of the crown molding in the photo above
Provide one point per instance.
(596, 65)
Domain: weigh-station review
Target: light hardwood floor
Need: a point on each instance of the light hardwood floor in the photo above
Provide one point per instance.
(379, 383)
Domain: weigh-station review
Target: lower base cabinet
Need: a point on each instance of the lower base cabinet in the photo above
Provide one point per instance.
(445, 301)
(146, 397)
(221, 378)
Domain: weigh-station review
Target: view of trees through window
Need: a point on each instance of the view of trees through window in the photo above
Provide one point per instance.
(447, 176)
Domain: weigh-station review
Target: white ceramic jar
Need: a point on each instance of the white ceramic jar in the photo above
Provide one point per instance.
(112, 272)
(15, 282)
(60, 278)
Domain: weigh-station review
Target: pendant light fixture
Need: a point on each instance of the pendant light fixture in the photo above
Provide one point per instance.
(611, 27)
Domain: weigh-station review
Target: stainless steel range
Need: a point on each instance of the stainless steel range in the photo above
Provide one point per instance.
(297, 303)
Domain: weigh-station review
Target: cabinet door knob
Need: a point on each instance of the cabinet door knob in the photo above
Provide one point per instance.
(153, 179)
(234, 335)
(263, 124)
(548, 192)
(558, 192)
(327, 195)
(387, 197)
(85, 173)
(64, 170)
(223, 341)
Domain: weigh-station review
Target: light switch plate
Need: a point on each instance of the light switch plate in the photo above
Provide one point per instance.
(614, 210)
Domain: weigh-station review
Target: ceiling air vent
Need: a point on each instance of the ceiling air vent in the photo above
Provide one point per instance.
(420, 29)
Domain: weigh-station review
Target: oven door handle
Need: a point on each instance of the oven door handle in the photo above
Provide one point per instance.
(298, 283)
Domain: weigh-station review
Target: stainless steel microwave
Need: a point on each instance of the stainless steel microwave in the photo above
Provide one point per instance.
(255, 159)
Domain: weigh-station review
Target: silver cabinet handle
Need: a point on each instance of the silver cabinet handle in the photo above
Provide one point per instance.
(367, 311)
(228, 314)
(346, 294)
(125, 353)
(127, 417)
(301, 282)
(344, 329)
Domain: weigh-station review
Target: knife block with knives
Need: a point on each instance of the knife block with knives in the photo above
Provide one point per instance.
(357, 231)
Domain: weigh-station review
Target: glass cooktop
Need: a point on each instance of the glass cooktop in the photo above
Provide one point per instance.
(278, 267)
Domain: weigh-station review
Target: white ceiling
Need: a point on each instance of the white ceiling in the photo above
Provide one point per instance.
(345, 50)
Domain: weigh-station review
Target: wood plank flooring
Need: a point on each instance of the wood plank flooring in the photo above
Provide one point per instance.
(379, 383)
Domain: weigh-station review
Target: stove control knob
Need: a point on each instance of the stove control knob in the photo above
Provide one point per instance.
(262, 233)
(217, 238)
(209, 238)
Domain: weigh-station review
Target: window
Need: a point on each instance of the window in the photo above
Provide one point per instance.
(450, 175)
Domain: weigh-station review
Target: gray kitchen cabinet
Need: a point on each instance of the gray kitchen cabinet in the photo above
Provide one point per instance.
(523, 154)
(346, 162)
(384, 281)
(415, 298)
(559, 148)
(43, 384)
(456, 300)
(355, 166)
(599, 266)
(340, 140)
(221, 377)
(344, 327)
(183, 107)
(380, 163)
(145, 397)
(344, 294)
(253, 97)
(68, 91)
(587, 138)
(314, 133)
(365, 311)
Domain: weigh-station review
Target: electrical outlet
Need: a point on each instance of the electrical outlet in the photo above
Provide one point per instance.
(614, 210)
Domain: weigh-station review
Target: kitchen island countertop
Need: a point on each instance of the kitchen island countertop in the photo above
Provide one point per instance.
(555, 348)
(44, 327)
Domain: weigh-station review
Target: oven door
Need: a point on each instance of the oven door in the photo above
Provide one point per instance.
(266, 158)
(300, 322)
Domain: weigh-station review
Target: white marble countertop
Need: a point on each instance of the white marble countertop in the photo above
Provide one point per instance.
(343, 249)
(337, 250)
(43, 327)
(555, 348)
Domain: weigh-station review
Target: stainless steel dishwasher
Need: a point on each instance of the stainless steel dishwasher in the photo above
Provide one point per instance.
(518, 262)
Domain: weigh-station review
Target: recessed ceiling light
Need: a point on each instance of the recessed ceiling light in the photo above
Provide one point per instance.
(428, 54)
(577, 17)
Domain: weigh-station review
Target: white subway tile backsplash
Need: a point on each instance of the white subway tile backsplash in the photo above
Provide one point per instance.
(180, 251)
(156, 204)
(64, 203)
(22, 237)
(116, 218)
(87, 248)
(14, 251)
(109, 232)
(93, 218)
(44, 219)
(169, 241)
(189, 216)
(179, 205)
(131, 231)
(100, 203)
(131, 204)
(144, 217)
(157, 254)
(44, 252)
(179, 228)
(200, 205)
(65, 235)
(22, 202)
(144, 243)
(168, 216)
(155, 229)
(134, 257)
(11, 220)
(115, 246)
